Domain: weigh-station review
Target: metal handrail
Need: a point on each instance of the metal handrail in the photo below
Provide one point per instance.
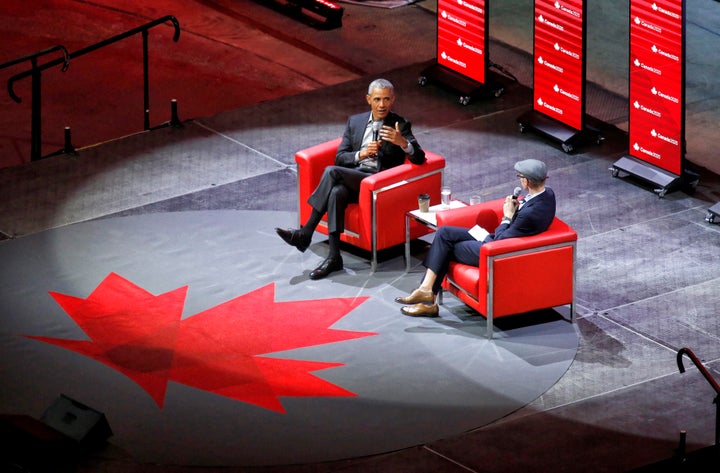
(699, 365)
(33, 57)
(35, 72)
(36, 107)
(713, 383)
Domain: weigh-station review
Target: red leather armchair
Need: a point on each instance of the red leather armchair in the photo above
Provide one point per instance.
(377, 221)
(497, 286)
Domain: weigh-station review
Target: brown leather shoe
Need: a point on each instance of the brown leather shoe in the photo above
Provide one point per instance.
(420, 310)
(418, 295)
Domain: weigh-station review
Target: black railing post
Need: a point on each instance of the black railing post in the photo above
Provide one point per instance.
(146, 80)
(681, 452)
(174, 116)
(717, 425)
(36, 108)
(68, 148)
(36, 113)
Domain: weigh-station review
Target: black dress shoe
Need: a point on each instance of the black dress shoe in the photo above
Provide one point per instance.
(332, 263)
(294, 238)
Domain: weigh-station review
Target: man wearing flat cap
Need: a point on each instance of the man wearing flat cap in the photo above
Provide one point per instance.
(521, 217)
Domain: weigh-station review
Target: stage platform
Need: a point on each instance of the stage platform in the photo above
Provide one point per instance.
(647, 267)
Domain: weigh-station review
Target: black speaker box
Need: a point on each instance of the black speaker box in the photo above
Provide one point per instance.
(81, 423)
(26, 444)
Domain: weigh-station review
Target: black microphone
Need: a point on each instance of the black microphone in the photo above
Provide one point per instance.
(376, 126)
(516, 193)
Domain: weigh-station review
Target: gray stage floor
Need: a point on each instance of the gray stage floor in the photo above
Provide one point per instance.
(252, 351)
(647, 267)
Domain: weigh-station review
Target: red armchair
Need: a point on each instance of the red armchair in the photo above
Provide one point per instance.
(496, 287)
(377, 221)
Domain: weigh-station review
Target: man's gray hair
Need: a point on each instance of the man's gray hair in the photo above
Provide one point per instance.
(380, 84)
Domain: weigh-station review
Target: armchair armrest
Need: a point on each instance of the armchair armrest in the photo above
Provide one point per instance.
(559, 232)
(486, 214)
(316, 158)
(311, 163)
(386, 196)
(401, 174)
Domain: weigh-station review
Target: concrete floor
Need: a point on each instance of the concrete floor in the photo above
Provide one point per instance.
(648, 267)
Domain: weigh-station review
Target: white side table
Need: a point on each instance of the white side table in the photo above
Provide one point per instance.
(429, 219)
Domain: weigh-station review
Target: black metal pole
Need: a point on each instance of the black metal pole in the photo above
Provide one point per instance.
(69, 148)
(680, 453)
(146, 80)
(174, 117)
(717, 425)
(36, 114)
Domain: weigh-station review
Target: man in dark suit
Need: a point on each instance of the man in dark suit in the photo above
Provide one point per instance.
(529, 216)
(372, 141)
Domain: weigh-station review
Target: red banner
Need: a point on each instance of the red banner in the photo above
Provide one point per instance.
(559, 63)
(656, 91)
(461, 37)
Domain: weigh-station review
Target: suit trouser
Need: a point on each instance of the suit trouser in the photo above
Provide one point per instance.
(338, 187)
(451, 244)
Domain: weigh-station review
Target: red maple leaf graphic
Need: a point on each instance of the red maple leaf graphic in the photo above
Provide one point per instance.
(221, 350)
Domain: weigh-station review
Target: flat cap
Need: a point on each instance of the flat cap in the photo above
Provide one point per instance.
(533, 169)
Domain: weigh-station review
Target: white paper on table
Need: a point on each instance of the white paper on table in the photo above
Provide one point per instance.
(430, 217)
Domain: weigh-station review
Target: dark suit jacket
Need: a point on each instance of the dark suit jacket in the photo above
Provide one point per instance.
(534, 217)
(390, 155)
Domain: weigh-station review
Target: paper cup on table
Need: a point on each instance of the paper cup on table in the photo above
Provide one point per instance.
(446, 196)
(424, 202)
